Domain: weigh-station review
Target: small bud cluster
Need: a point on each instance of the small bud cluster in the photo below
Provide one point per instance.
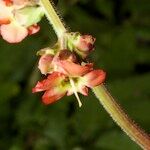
(19, 18)
(67, 70)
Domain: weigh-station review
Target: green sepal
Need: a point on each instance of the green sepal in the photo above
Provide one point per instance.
(46, 51)
(30, 15)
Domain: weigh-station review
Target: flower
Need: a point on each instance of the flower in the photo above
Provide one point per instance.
(57, 85)
(53, 87)
(18, 18)
(45, 65)
(81, 44)
(66, 76)
(64, 62)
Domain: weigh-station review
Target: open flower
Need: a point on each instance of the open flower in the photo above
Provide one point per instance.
(66, 70)
(66, 76)
(18, 19)
(53, 87)
(57, 85)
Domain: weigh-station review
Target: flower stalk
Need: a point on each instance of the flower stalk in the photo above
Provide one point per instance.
(121, 118)
(108, 102)
(53, 17)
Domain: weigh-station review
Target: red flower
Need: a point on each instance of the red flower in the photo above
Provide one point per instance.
(53, 87)
(65, 64)
(70, 78)
(66, 73)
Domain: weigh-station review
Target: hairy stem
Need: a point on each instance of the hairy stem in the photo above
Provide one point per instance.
(121, 118)
(53, 17)
(111, 106)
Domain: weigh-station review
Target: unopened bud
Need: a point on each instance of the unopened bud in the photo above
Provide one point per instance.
(67, 55)
(45, 63)
(81, 44)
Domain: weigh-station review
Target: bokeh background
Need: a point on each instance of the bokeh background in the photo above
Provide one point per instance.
(122, 30)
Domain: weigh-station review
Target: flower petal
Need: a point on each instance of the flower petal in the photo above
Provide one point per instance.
(13, 33)
(52, 96)
(52, 80)
(74, 69)
(4, 21)
(8, 2)
(41, 86)
(5, 13)
(45, 63)
(33, 29)
(94, 78)
(19, 2)
(83, 90)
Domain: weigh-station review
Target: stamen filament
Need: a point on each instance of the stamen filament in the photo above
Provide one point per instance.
(75, 92)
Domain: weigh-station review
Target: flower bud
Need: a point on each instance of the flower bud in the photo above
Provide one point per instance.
(67, 55)
(85, 43)
(81, 44)
(45, 63)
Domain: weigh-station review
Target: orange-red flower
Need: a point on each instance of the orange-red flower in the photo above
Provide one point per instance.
(66, 76)
(53, 87)
(57, 85)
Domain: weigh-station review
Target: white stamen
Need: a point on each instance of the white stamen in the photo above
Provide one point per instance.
(75, 92)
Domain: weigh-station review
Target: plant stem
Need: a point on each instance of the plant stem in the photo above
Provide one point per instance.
(111, 106)
(121, 118)
(53, 17)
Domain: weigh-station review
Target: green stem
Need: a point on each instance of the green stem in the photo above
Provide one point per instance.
(121, 118)
(111, 106)
(53, 17)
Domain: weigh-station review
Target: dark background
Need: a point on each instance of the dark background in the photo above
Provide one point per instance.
(122, 30)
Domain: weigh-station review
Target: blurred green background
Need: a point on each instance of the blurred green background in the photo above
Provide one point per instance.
(122, 30)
